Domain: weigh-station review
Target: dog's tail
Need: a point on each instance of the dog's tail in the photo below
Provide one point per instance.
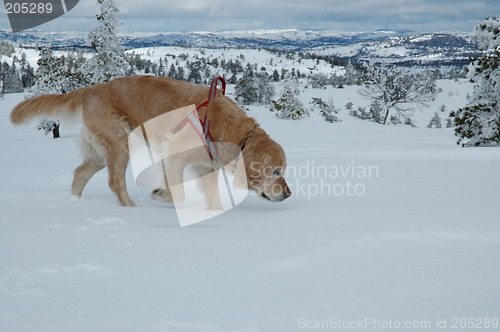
(66, 107)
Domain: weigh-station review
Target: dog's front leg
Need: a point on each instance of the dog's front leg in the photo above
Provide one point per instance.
(174, 171)
(208, 183)
(162, 193)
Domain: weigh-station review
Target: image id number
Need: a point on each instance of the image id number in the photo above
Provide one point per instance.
(28, 8)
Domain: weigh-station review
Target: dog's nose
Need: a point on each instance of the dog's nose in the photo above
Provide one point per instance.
(287, 192)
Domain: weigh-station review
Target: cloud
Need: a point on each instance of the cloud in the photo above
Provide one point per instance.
(193, 15)
(352, 15)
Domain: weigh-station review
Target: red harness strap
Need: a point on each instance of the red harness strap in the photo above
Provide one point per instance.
(211, 95)
(205, 127)
(205, 123)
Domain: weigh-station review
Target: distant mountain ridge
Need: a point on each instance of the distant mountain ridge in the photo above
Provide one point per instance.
(296, 40)
(402, 47)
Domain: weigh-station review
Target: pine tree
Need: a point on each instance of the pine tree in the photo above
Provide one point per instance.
(376, 111)
(17, 84)
(161, 69)
(351, 74)
(27, 73)
(110, 60)
(10, 78)
(172, 72)
(265, 90)
(245, 90)
(76, 74)
(479, 122)
(435, 121)
(181, 74)
(51, 75)
(276, 75)
(194, 72)
(288, 106)
(254, 88)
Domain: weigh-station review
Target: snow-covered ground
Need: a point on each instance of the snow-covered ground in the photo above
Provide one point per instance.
(416, 239)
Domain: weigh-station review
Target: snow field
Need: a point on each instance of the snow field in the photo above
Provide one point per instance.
(421, 243)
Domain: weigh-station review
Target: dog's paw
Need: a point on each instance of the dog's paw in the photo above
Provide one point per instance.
(161, 195)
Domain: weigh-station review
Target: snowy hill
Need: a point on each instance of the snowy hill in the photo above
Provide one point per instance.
(437, 49)
(416, 243)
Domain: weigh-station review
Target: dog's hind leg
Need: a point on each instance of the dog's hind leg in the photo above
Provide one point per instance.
(117, 162)
(83, 173)
(93, 161)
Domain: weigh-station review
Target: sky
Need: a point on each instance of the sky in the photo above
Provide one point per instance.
(223, 15)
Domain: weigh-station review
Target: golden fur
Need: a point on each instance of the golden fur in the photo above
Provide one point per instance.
(110, 111)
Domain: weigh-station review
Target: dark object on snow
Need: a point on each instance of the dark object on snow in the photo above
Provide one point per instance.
(49, 126)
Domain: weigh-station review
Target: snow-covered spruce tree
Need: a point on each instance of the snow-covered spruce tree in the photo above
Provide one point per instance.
(245, 90)
(195, 71)
(397, 91)
(479, 122)
(27, 73)
(59, 74)
(254, 88)
(265, 89)
(11, 81)
(376, 111)
(288, 106)
(351, 75)
(435, 121)
(276, 75)
(161, 69)
(51, 75)
(76, 73)
(110, 61)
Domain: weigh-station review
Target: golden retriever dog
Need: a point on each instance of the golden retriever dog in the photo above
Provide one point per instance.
(111, 111)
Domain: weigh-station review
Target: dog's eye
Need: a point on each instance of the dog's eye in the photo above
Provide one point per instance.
(277, 172)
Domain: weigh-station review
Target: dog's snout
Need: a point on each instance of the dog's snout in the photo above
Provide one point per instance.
(287, 191)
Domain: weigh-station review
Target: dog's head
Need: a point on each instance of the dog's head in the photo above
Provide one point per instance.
(265, 164)
(264, 159)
